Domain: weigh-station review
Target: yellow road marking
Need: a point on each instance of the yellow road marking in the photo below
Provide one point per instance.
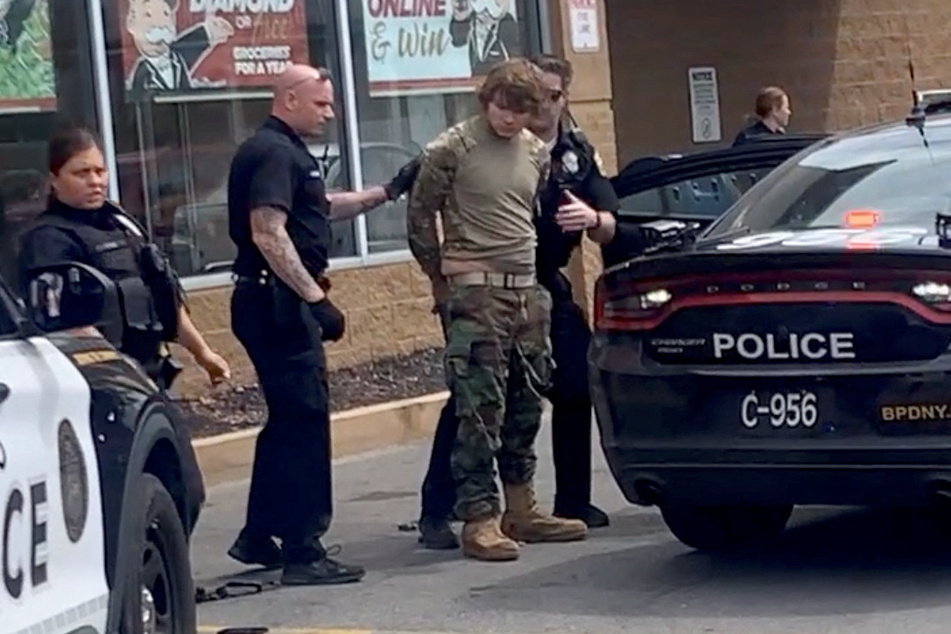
(214, 629)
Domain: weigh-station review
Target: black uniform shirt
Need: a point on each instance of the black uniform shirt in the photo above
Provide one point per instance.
(574, 167)
(749, 133)
(274, 168)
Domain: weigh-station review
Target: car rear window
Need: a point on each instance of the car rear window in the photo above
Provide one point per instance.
(886, 179)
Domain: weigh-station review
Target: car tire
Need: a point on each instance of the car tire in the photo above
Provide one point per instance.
(160, 591)
(726, 528)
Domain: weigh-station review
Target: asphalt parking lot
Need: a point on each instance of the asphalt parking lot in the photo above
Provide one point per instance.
(837, 570)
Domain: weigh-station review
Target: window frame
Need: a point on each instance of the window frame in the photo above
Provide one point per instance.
(536, 32)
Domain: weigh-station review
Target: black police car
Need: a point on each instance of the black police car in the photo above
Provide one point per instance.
(797, 350)
(99, 485)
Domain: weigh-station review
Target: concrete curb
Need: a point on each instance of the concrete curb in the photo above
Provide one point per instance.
(228, 457)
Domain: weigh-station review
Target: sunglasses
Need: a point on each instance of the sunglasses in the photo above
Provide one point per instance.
(556, 95)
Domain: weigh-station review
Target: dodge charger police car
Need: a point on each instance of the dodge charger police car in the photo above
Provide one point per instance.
(99, 485)
(797, 352)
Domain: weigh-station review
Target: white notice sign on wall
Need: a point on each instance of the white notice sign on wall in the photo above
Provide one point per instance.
(583, 17)
(704, 104)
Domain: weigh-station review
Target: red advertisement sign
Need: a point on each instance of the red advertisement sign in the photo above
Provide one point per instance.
(181, 46)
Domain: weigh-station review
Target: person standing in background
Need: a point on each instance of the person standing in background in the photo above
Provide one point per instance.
(773, 111)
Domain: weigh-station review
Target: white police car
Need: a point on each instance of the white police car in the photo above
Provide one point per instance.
(99, 485)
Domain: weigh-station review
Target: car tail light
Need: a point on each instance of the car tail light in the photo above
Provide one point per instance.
(935, 294)
(621, 311)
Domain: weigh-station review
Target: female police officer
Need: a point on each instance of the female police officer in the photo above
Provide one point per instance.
(81, 225)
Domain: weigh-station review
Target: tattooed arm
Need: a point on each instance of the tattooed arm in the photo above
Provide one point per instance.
(346, 205)
(269, 233)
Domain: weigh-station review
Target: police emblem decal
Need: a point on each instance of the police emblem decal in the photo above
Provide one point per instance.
(73, 481)
(570, 161)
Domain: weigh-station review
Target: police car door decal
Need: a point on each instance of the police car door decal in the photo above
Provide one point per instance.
(52, 559)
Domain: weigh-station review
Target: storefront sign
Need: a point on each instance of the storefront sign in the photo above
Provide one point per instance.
(436, 46)
(704, 104)
(583, 16)
(27, 79)
(183, 46)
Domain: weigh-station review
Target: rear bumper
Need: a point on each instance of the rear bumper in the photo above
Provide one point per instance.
(684, 436)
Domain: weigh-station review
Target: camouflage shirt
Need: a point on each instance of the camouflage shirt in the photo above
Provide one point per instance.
(486, 189)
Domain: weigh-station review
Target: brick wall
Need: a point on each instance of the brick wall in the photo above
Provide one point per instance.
(387, 309)
(843, 61)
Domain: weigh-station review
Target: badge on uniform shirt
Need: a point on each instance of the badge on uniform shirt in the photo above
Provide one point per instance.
(570, 161)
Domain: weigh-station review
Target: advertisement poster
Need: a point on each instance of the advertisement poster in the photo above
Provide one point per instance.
(436, 46)
(27, 79)
(182, 46)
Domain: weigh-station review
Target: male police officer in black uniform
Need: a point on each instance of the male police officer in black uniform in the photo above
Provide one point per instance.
(280, 215)
(578, 199)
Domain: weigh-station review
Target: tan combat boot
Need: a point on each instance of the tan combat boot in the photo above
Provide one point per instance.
(483, 539)
(523, 521)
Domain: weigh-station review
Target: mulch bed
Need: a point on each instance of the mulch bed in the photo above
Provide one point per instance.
(358, 386)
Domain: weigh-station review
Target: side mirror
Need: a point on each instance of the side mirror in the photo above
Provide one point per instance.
(73, 295)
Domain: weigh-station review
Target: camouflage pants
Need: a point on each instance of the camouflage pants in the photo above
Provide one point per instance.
(498, 363)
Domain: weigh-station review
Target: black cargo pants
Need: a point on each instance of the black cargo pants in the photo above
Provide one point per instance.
(291, 487)
(571, 421)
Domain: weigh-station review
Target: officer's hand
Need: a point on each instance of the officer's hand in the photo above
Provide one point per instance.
(215, 365)
(575, 215)
(404, 179)
(331, 320)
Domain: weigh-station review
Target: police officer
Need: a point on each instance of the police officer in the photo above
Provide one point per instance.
(279, 216)
(578, 199)
(81, 225)
(772, 114)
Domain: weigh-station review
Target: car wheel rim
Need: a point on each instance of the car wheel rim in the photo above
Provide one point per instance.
(157, 608)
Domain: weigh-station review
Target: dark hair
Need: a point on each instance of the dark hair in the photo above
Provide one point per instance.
(515, 84)
(556, 66)
(67, 142)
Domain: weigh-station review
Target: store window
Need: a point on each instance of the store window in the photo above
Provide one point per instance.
(416, 66)
(45, 78)
(190, 80)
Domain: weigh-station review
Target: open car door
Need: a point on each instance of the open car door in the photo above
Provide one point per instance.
(697, 187)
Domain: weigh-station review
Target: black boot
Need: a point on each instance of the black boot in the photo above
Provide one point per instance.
(592, 515)
(321, 572)
(256, 551)
(436, 534)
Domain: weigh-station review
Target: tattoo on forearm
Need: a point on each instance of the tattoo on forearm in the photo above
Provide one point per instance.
(346, 205)
(270, 236)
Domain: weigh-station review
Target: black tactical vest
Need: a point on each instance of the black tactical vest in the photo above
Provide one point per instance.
(114, 245)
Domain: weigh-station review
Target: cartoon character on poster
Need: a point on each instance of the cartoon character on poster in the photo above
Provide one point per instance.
(488, 28)
(168, 57)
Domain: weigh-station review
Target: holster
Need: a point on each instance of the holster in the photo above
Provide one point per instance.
(168, 371)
